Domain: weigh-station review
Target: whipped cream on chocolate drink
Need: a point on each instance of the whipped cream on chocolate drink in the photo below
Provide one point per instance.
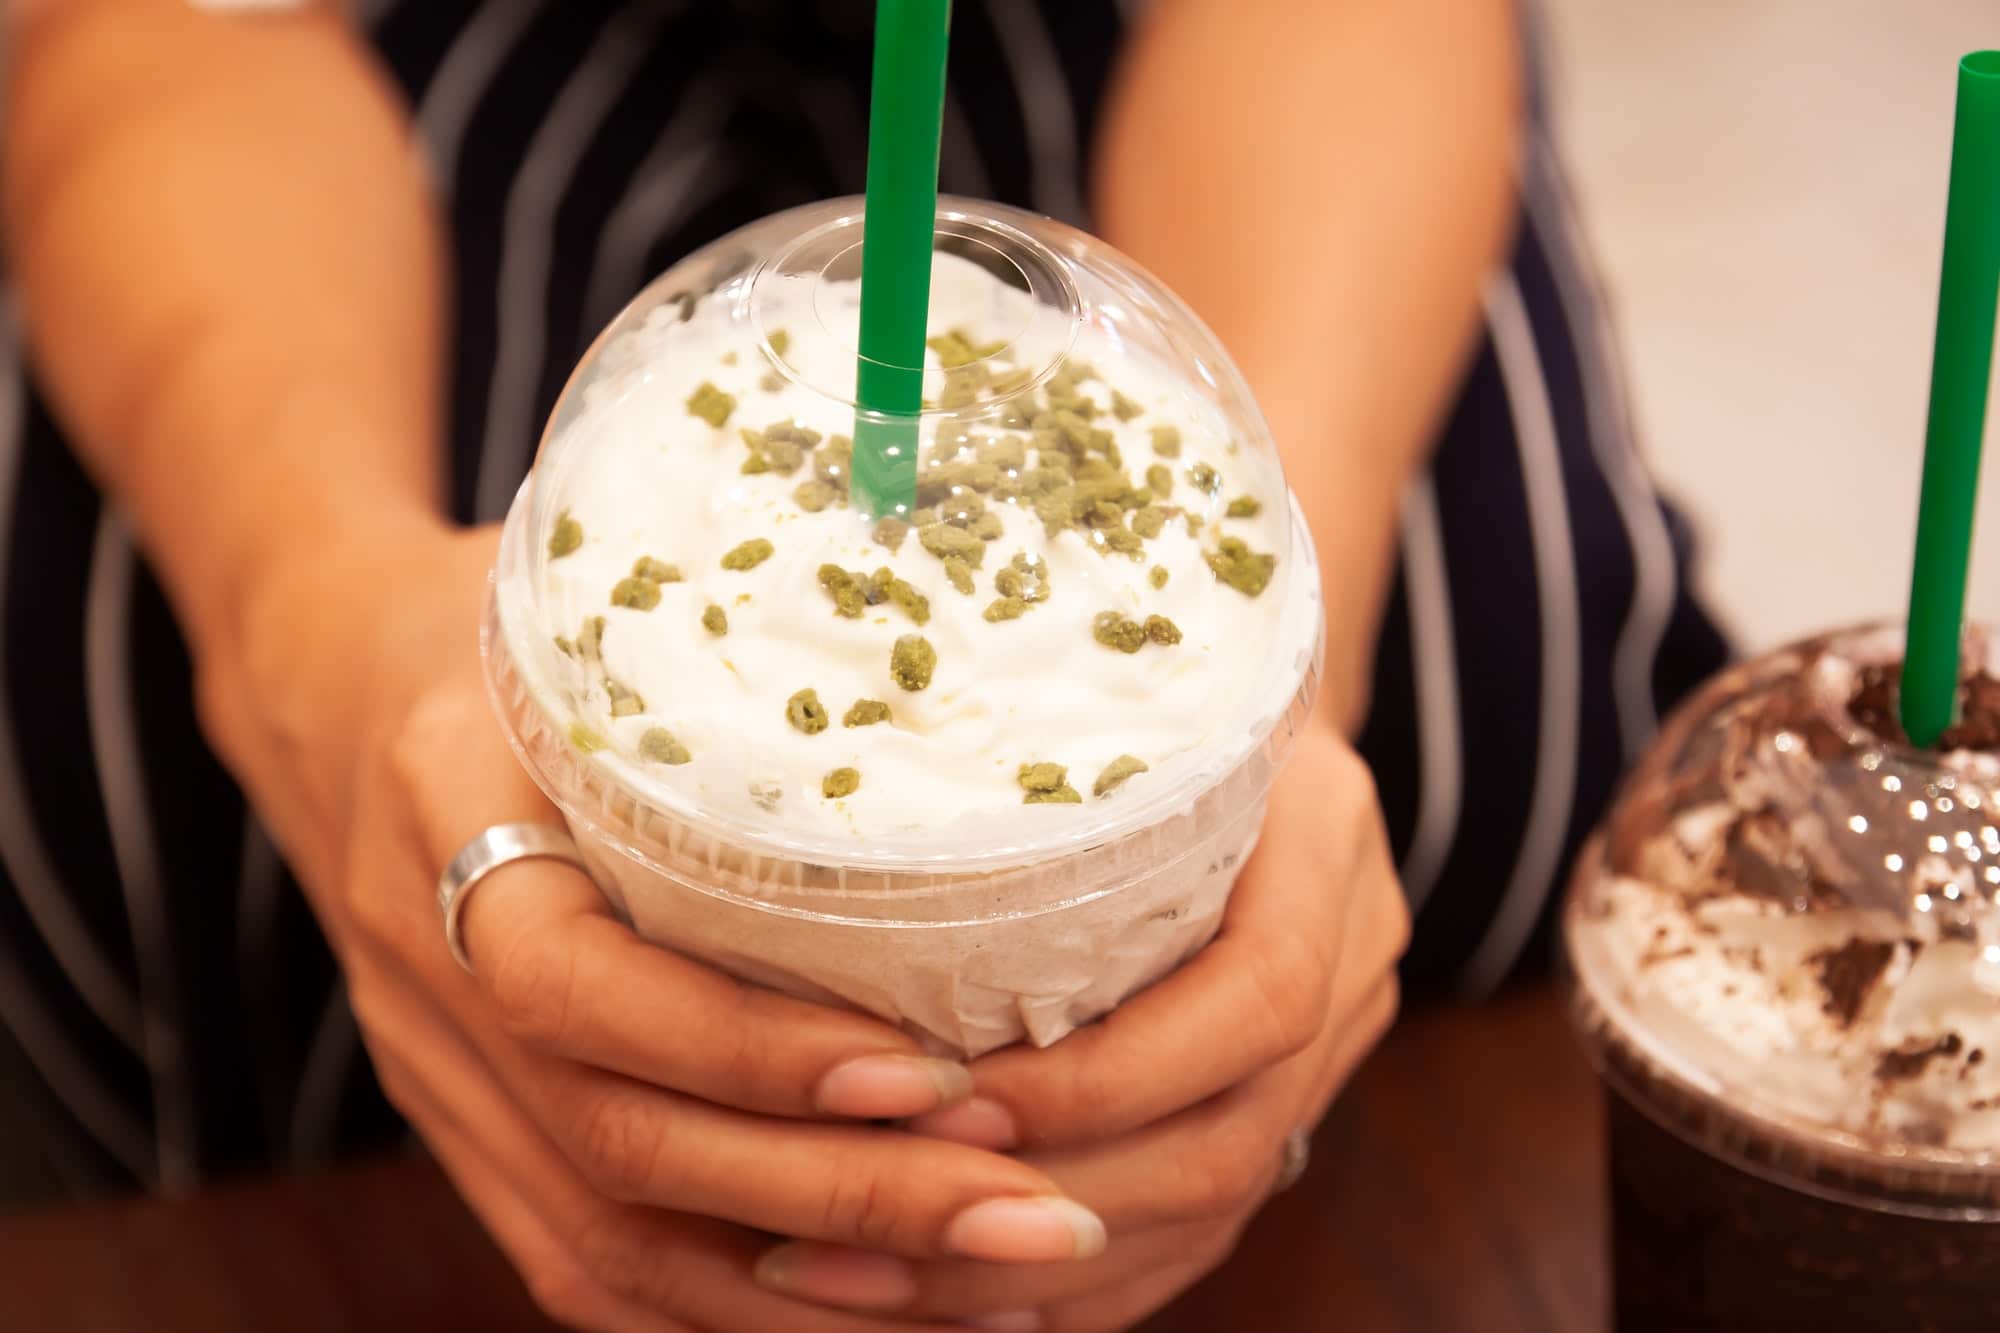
(1797, 911)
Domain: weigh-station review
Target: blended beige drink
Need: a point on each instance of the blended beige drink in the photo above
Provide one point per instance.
(982, 767)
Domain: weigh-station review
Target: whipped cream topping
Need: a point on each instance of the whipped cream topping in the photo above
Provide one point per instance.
(640, 475)
(1803, 918)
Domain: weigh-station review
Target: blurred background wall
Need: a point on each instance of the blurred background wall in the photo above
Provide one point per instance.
(1764, 183)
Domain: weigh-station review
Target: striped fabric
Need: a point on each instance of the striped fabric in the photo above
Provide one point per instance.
(158, 967)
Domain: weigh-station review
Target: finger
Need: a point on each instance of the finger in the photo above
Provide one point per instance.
(956, 1289)
(1219, 1157)
(876, 1189)
(694, 1269)
(1259, 994)
(565, 976)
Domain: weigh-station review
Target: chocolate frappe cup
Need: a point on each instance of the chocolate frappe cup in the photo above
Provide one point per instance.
(1784, 949)
(984, 767)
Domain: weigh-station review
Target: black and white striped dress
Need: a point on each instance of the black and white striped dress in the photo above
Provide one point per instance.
(159, 972)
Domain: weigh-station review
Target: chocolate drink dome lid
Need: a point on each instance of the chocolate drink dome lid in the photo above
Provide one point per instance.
(1786, 939)
(1795, 761)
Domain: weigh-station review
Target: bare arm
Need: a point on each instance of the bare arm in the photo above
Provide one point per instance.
(1326, 184)
(232, 283)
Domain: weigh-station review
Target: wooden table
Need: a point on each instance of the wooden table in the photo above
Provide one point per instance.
(1455, 1189)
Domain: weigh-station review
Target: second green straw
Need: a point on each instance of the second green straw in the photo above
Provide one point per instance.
(1961, 371)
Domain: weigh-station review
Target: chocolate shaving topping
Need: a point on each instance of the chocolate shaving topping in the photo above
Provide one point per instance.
(1848, 973)
(1911, 1060)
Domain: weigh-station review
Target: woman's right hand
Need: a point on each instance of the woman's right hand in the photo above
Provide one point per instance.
(631, 1126)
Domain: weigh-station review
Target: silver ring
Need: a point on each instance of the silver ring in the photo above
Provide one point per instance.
(1292, 1163)
(496, 847)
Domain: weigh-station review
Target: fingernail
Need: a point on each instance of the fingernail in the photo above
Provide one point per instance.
(837, 1275)
(1013, 1321)
(889, 1087)
(980, 1122)
(1026, 1231)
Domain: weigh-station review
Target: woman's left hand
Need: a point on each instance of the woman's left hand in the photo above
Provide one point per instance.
(1169, 1117)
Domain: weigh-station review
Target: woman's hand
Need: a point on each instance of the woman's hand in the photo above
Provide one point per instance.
(624, 1121)
(1169, 1117)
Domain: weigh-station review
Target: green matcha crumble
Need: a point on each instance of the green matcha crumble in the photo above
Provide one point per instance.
(1122, 540)
(1009, 453)
(1244, 506)
(1162, 631)
(715, 620)
(1023, 580)
(1118, 631)
(585, 738)
(1160, 480)
(564, 646)
(748, 555)
(771, 381)
(645, 567)
(987, 527)
(866, 713)
(889, 533)
(956, 348)
(1205, 478)
(815, 495)
(912, 661)
(625, 701)
(961, 508)
(1047, 784)
(658, 746)
(1006, 608)
(883, 585)
(1149, 522)
(946, 542)
(959, 574)
(568, 535)
(1167, 441)
(962, 386)
(805, 712)
(1124, 408)
(637, 594)
(850, 595)
(711, 404)
(590, 639)
(780, 341)
(1159, 576)
(780, 447)
(841, 782)
(831, 464)
(1115, 773)
(1241, 568)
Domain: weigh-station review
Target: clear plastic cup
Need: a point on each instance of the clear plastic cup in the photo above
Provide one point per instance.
(971, 927)
(1785, 955)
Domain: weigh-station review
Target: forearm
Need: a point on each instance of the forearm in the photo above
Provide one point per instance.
(231, 280)
(1326, 184)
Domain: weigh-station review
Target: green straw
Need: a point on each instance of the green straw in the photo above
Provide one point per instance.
(905, 121)
(1961, 370)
